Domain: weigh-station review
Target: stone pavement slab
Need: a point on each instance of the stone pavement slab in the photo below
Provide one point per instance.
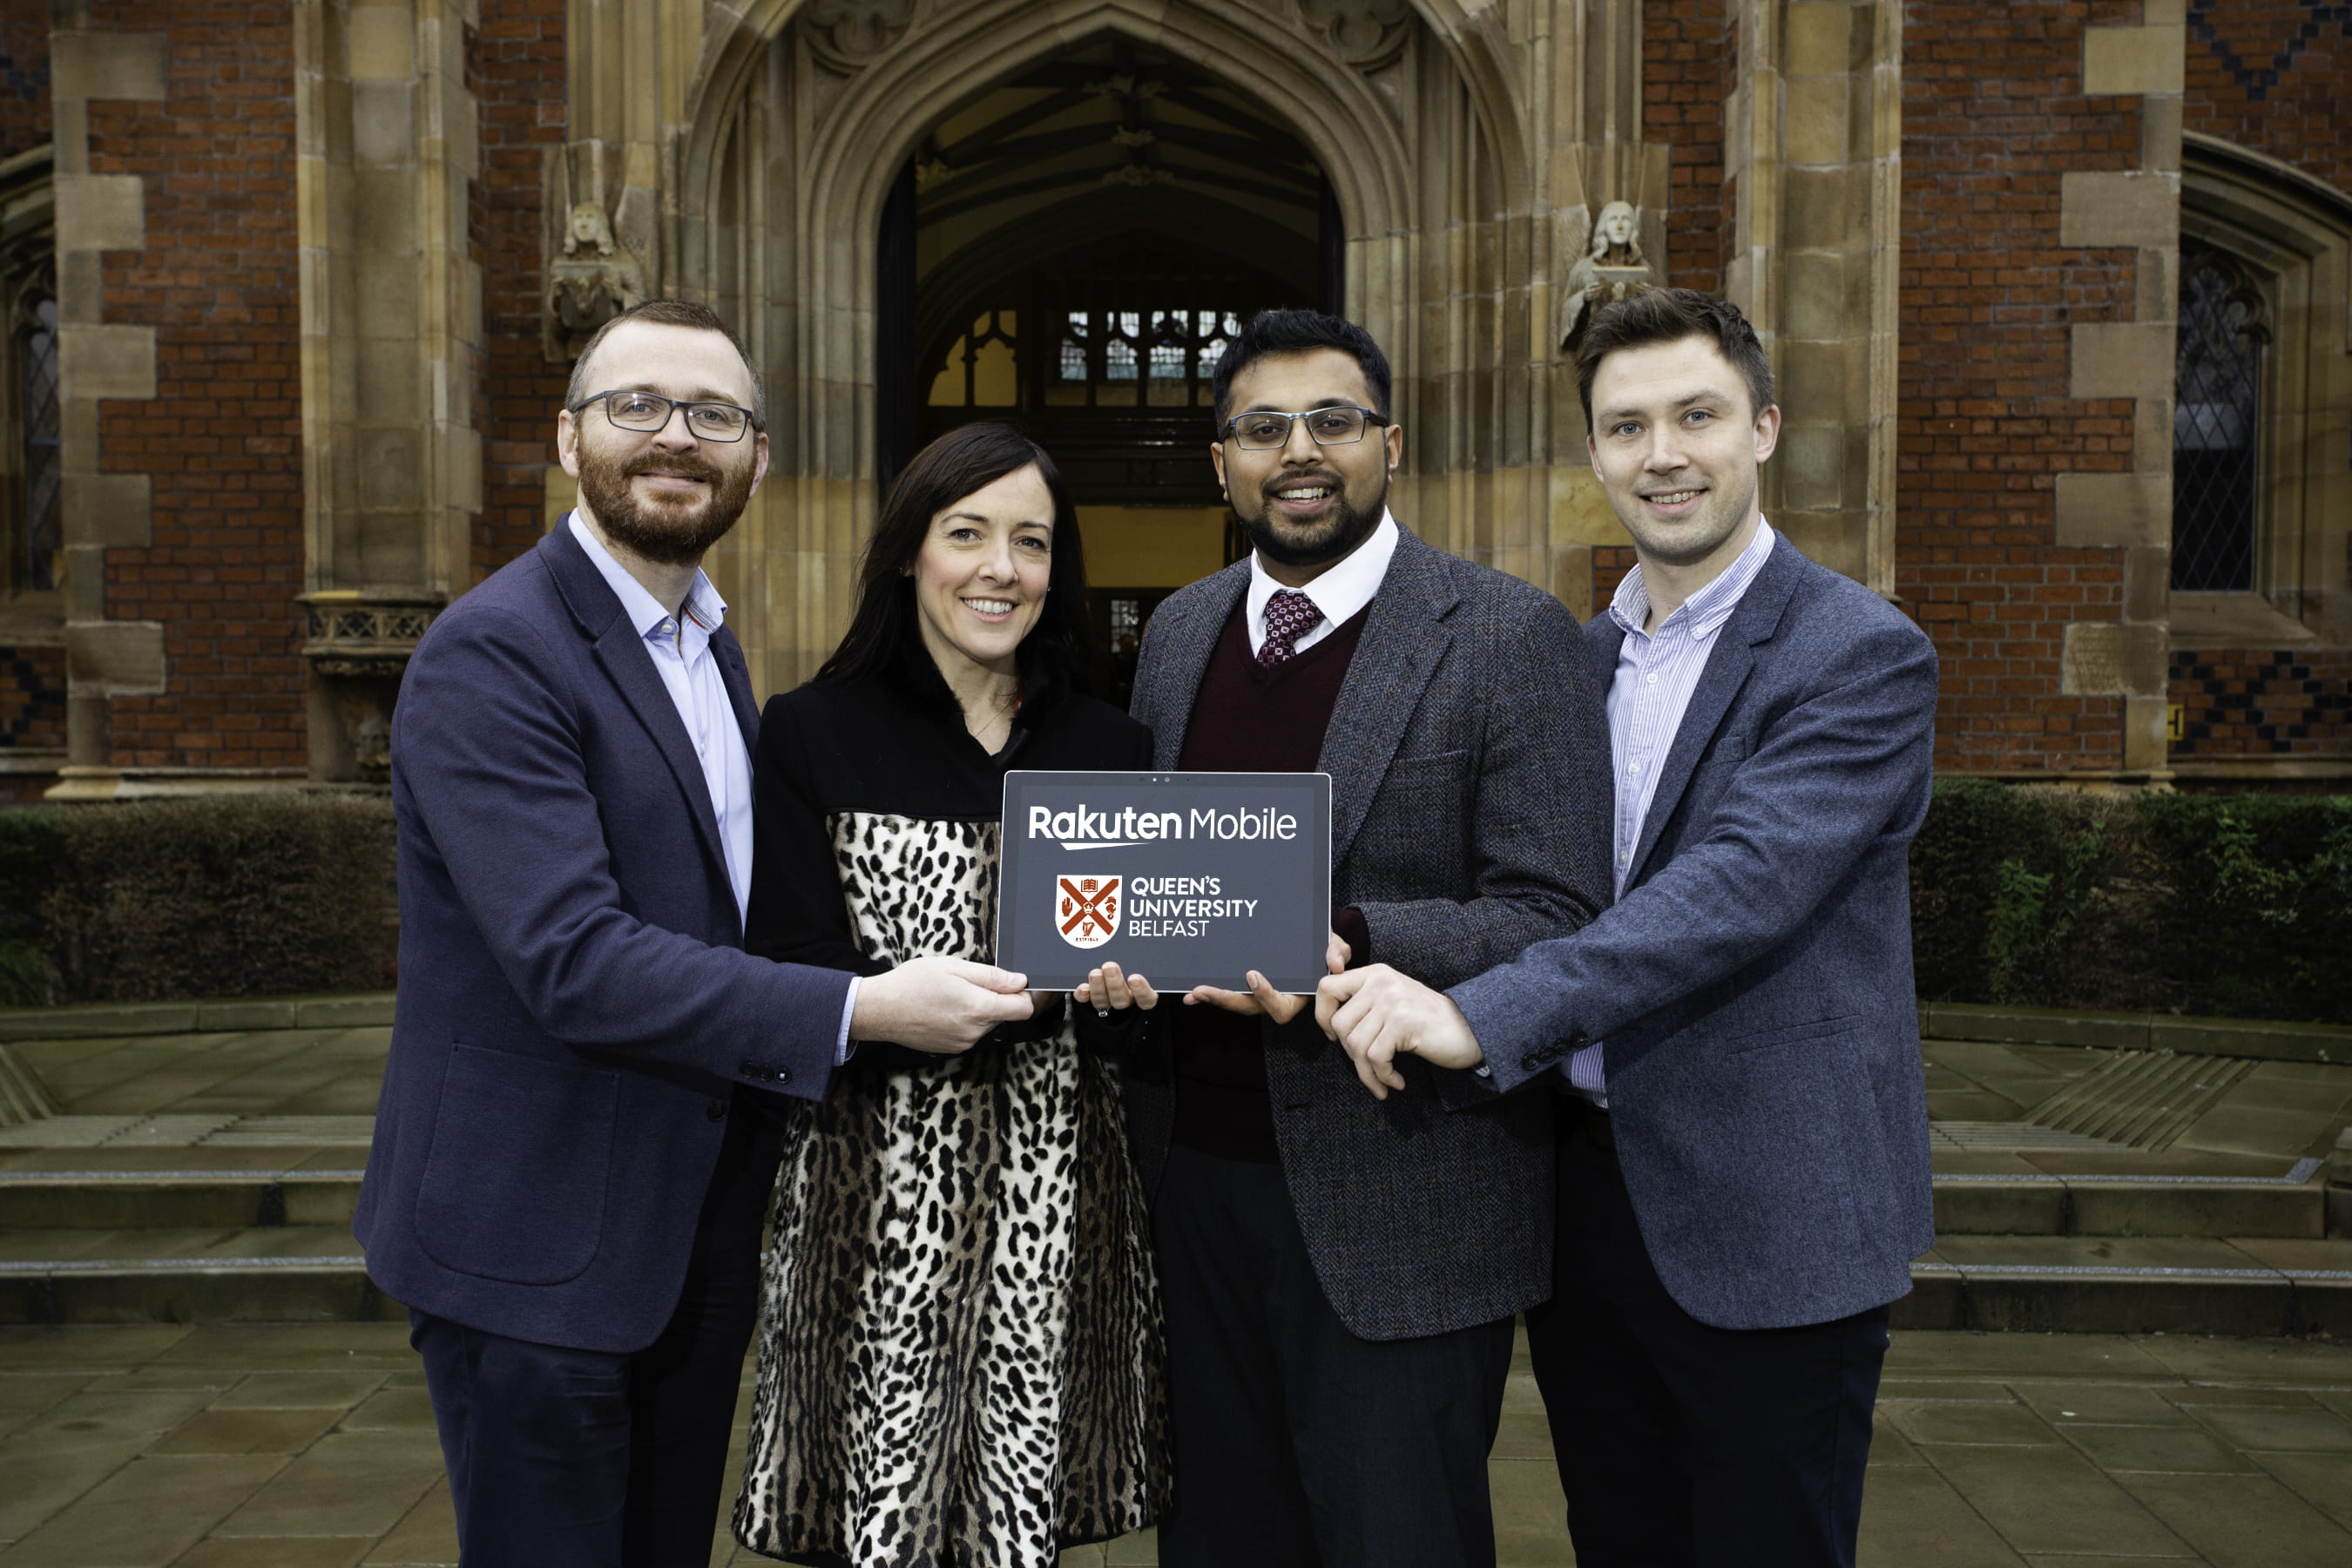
(311, 1446)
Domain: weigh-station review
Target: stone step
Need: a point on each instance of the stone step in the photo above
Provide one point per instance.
(2081, 1284)
(2245, 1285)
(285, 1273)
(2142, 1204)
(86, 1200)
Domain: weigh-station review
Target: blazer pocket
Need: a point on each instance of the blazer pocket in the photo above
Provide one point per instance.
(1429, 762)
(514, 1183)
(1795, 1034)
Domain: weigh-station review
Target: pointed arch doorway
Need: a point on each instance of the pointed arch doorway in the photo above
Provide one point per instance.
(1303, 155)
(1072, 251)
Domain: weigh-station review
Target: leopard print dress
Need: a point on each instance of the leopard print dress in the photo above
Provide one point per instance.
(959, 1354)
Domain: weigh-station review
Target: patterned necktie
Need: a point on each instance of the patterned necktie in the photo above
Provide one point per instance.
(1289, 615)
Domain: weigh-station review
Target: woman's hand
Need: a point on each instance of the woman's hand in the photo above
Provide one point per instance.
(1106, 990)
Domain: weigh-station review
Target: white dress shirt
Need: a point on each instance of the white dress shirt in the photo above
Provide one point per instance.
(682, 656)
(1344, 588)
(1656, 673)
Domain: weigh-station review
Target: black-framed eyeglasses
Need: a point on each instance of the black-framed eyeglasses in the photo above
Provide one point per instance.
(650, 411)
(1260, 430)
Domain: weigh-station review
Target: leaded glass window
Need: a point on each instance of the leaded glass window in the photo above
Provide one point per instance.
(2217, 376)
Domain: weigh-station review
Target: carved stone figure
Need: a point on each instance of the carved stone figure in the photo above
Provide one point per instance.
(1613, 269)
(1367, 34)
(594, 281)
(847, 34)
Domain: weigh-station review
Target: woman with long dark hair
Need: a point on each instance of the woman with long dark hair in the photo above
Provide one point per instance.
(959, 1356)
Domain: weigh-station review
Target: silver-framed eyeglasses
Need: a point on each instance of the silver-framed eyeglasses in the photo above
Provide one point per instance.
(1260, 430)
(650, 411)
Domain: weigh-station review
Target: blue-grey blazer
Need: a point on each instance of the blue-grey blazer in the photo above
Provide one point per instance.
(1752, 986)
(576, 1009)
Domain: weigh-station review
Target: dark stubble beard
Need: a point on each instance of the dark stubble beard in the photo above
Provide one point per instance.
(669, 534)
(1346, 527)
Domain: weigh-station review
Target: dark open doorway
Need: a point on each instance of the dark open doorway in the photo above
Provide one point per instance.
(1071, 252)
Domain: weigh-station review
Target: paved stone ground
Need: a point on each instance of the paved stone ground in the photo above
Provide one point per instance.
(284, 1445)
(311, 1447)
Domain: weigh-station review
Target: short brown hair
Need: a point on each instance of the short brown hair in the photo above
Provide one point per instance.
(1668, 316)
(667, 313)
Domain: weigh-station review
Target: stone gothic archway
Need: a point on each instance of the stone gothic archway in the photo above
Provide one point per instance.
(783, 175)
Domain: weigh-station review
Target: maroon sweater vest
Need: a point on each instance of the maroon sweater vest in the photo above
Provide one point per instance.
(1250, 719)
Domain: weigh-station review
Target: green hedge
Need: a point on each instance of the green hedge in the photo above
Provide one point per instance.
(2239, 906)
(226, 896)
(2236, 906)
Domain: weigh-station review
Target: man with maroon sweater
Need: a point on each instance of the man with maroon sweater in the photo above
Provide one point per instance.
(1340, 1273)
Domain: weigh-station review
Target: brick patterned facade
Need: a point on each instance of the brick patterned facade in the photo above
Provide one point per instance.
(517, 66)
(2239, 704)
(222, 440)
(1687, 55)
(2275, 75)
(1993, 116)
(23, 78)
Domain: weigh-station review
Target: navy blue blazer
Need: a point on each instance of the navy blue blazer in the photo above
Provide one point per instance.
(1753, 985)
(576, 1009)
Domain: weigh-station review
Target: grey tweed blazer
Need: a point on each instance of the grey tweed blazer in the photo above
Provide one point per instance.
(1752, 988)
(1469, 757)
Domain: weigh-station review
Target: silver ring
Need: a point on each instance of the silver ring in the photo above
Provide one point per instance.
(1101, 1011)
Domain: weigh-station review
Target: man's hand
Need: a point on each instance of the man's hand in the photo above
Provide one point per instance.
(1378, 1014)
(937, 1005)
(1262, 998)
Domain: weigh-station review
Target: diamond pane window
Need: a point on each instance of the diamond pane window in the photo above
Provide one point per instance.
(1119, 360)
(44, 537)
(1073, 365)
(2217, 376)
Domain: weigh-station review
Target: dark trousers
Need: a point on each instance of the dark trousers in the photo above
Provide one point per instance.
(593, 1459)
(1681, 1444)
(1298, 1445)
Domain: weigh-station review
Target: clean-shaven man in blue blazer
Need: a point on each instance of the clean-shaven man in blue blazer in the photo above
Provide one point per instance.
(1743, 1156)
(572, 1160)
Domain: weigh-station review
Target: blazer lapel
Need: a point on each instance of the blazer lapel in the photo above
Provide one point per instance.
(1403, 640)
(1727, 667)
(1182, 644)
(630, 667)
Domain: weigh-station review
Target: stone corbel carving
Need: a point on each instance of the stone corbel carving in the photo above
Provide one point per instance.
(359, 647)
(1367, 34)
(848, 33)
(594, 281)
(1613, 269)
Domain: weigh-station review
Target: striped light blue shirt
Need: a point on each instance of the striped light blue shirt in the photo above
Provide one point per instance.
(1656, 673)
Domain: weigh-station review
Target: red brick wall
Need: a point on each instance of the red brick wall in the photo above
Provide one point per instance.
(2275, 75)
(1994, 114)
(223, 440)
(23, 77)
(517, 67)
(1687, 64)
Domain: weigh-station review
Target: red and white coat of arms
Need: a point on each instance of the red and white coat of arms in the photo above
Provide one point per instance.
(1087, 910)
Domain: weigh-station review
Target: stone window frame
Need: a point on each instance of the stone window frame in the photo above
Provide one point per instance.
(28, 275)
(2294, 234)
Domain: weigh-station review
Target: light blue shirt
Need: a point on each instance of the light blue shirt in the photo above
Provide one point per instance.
(679, 644)
(1656, 673)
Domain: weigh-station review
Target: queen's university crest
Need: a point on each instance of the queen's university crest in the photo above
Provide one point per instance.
(1087, 912)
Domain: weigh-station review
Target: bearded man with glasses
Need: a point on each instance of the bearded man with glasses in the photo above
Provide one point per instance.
(1339, 1276)
(574, 1148)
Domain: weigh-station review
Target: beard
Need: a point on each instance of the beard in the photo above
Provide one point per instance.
(671, 533)
(1318, 544)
